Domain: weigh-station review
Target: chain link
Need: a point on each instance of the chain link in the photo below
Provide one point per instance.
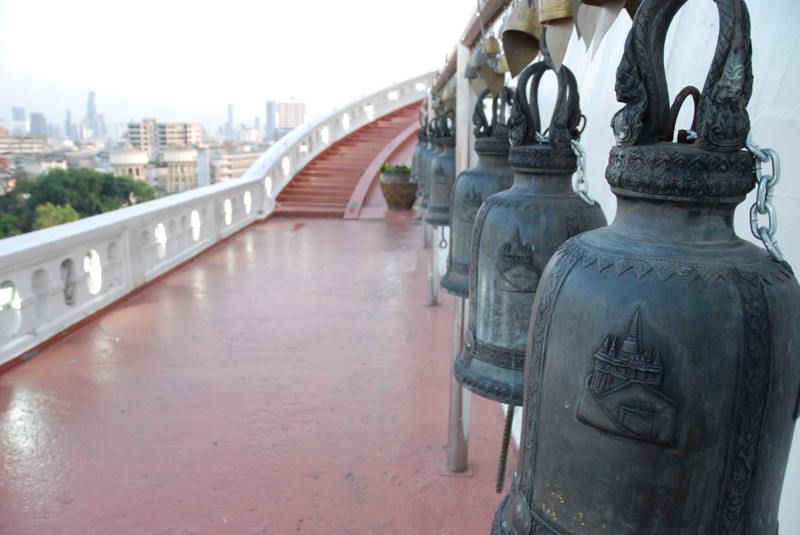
(763, 206)
(579, 182)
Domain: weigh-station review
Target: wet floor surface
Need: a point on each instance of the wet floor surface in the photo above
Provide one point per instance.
(288, 381)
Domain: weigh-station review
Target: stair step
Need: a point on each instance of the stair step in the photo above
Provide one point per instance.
(318, 205)
(315, 198)
(323, 180)
(324, 186)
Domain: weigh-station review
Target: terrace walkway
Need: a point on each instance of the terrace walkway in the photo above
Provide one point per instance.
(288, 381)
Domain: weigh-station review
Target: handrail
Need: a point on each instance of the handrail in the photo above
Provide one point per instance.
(52, 279)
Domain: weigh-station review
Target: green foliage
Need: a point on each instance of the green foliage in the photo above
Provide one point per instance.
(87, 191)
(84, 191)
(50, 215)
(9, 226)
(391, 168)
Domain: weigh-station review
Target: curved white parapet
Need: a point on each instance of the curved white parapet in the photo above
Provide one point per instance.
(292, 152)
(52, 279)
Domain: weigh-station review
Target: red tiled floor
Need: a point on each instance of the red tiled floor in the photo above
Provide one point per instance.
(288, 381)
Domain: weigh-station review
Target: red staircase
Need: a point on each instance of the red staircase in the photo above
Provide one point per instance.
(324, 186)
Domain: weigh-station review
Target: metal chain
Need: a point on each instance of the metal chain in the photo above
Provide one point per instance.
(763, 206)
(579, 183)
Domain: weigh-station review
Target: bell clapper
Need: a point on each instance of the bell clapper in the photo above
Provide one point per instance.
(501, 467)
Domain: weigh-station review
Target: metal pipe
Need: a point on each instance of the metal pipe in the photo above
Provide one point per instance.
(433, 298)
(460, 398)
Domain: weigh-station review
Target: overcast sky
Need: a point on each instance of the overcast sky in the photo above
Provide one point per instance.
(179, 60)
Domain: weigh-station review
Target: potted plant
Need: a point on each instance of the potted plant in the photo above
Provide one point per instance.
(396, 187)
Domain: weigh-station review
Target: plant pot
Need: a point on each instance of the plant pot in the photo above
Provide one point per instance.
(397, 189)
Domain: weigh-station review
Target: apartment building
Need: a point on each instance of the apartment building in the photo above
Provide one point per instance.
(154, 137)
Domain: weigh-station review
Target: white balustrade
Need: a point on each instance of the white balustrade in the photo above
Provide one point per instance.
(54, 278)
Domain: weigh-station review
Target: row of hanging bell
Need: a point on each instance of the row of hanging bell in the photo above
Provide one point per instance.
(428, 151)
(515, 234)
(441, 171)
(490, 175)
(419, 148)
(663, 368)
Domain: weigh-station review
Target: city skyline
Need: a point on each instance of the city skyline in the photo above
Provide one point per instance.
(237, 56)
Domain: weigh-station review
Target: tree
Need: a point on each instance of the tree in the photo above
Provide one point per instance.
(87, 191)
(9, 226)
(50, 215)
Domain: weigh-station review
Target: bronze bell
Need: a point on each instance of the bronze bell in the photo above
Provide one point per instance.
(431, 151)
(490, 175)
(421, 157)
(630, 5)
(442, 172)
(663, 369)
(419, 148)
(515, 234)
(521, 36)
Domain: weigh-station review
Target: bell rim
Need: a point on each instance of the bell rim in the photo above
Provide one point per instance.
(455, 284)
(494, 390)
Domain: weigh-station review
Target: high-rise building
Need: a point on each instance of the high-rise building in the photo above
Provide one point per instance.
(257, 123)
(69, 132)
(38, 124)
(270, 124)
(290, 115)
(91, 115)
(100, 131)
(230, 129)
(143, 136)
(19, 121)
(54, 131)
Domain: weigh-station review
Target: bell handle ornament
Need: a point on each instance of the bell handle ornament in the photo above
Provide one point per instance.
(499, 105)
(525, 122)
(722, 119)
(449, 123)
(482, 126)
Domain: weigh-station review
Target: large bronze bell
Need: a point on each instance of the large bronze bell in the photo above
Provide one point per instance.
(490, 175)
(521, 35)
(442, 172)
(662, 375)
(515, 234)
